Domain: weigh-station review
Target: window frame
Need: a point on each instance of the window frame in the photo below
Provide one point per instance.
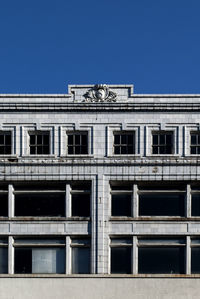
(120, 145)
(165, 145)
(73, 134)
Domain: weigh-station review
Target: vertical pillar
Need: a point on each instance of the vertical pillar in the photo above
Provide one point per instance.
(68, 255)
(135, 201)
(188, 255)
(68, 201)
(188, 210)
(10, 201)
(135, 256)
(10, 255)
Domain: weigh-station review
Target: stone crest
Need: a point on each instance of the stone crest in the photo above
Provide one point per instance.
(100, 93)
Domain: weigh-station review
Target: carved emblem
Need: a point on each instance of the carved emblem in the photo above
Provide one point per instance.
(100, 93)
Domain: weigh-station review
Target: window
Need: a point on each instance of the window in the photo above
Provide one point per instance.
(3, 203)
(49, 203)
(124, 143)
(195, 198)
(77, 143)
(195, 256)
(3, 255)
(80, 197)
(161, 203)
(80, 256)
(161, 256)
(195, 143)
(39, 256)
(121, 201)
(39, 143)
(5, 143)
(121, 256)
(162, 143)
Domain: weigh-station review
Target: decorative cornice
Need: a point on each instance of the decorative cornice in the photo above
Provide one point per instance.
(100, 93)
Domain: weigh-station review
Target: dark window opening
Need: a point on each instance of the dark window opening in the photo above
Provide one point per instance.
(121, 260)
(81, 205)
(121, 205)
(161, 260)
(124, 143)
(4, 205)
(39, 143)
(78, 143)
(195, 204)
(40, 204)
(195, 143)
(5, 143)
(155, 204)
(162, 143)
(195, 260)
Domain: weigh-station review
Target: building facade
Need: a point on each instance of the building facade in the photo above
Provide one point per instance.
(99, 194)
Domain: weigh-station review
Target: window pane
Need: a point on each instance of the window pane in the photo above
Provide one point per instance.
(50, 260)
(116, 150)
(7, 150)
(70, 150)
(3, 260)
(155, 139)
(123, 139)
(46, 139)
(121, 205)
(195, 204)
(4, 205)
(121, 260)
(81, 205)
(193, 150)
(70, 139)
(39, 139)
(162, 138)
(80, 260)
(1, 139)
(161, 260)
(130, 139)
(46, 150)
(193, 139)
(161, 204)
(32, 150)
(123, 150)
(84, 140)
(116, 139)
(39, 150)
(162, 150)
(32, 139)
(77, 140)
(23, 260)
(168, 149)
(195, 260)
(155, 149)
(84, 150)
(169, 139)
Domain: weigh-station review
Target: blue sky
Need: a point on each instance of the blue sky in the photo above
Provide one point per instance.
(47, 44)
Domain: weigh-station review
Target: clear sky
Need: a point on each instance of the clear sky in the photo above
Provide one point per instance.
(47, 44)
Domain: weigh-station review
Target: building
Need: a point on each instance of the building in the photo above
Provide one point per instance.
(99, 194)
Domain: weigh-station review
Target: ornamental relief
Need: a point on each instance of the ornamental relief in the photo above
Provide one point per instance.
(100, 93)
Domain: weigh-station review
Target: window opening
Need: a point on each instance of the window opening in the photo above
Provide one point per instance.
(124, 143)
(39, 143)
(162, 143)
(78, 143)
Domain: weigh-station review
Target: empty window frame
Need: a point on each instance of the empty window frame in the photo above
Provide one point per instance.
(124, 143)
(39, 143)
(195, 143)
(80, 256)
(121, 255)
(161, 256)
(195, 256)
(121, 203)
(5, 143)
(77, 143)
(3, 255)
(80, 202)
(162, 142)
(39, 256)
(161, 203)
(41, 203)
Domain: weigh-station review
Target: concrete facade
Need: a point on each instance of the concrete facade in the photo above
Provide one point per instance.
(118, 110)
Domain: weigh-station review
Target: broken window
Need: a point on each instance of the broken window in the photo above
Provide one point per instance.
(80, 202)
(121, 256)
(77, 143)
(39, 143)
(159, 203)
(161, 256)
(195, 143)
(40, 203)
(39, 256)
(5, 143)
(3, 255)
(80, 256)
(124, 143)
(162, 142)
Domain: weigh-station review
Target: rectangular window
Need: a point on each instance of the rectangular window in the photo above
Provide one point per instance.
(121, 203)
(195, 204)
(80, 256)
(3, 255)
(195, 143)
(161, 256)
(3, 203)
(161, 203)
(39, 256)
(39, 143)
(77, 143)
(121, 256)
(162, 142)
(40, 203)
(80, 202)
(5, 143)
(124, 143)
(195, 256)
